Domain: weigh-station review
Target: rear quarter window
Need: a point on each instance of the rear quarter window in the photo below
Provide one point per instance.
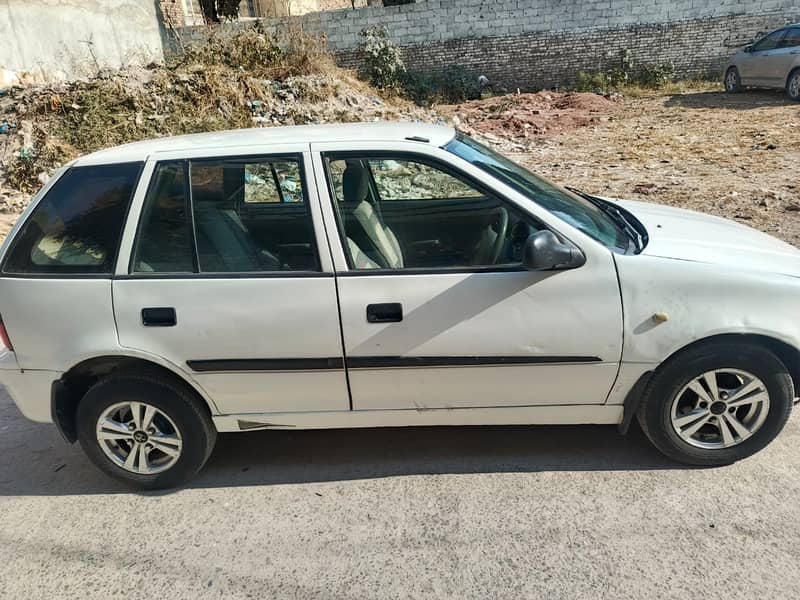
(76, 228)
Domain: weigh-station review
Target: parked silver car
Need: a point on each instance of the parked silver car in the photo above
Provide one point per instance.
(771, 62)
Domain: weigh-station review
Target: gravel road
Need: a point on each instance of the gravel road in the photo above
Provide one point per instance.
(495, 512)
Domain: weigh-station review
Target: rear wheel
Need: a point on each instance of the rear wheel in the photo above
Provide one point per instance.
(144, 431)
(793, 86)
(733, 83)
(717, 403)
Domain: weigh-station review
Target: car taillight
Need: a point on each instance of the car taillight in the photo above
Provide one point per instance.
(4, 335)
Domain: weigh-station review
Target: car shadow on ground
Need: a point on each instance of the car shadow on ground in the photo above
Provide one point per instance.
(746, 100)
(36, 461)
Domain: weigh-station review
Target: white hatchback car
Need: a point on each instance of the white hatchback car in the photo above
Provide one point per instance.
(380, 275)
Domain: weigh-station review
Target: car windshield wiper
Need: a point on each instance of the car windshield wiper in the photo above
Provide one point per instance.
(617, 215)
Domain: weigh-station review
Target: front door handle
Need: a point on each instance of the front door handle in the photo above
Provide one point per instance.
(159, 317)
(387, 312)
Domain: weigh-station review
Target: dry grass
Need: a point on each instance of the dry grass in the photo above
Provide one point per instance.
(227, 81)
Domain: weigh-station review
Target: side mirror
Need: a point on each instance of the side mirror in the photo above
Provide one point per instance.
(544, 252)
(748, 48)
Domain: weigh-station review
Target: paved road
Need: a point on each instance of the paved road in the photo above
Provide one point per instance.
(501, 512)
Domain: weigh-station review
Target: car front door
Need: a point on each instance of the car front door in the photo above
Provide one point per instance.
(436, 310)
(228, 278)
(758, 67)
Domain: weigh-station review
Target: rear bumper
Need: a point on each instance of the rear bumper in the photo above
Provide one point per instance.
(30, 390)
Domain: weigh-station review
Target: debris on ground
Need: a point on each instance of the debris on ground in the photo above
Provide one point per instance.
(515, 121)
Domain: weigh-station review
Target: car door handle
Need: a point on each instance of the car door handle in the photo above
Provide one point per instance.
(387, 312)
(159, 317)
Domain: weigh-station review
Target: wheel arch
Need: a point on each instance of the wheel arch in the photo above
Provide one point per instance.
(68, 391)
(788, 354)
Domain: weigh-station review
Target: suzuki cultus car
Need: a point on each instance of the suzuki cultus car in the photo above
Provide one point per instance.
(380, 275)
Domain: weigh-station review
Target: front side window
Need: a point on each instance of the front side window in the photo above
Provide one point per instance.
(226, 216)
(575, 210)
(77, 226)
(770, 42)
(400, 212)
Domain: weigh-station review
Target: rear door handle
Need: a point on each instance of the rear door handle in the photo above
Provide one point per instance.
(159, 317)
(387, 312)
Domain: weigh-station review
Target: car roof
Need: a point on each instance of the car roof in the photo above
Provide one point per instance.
(437, 135)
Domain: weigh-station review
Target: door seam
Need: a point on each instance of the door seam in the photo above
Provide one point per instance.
(335, 276)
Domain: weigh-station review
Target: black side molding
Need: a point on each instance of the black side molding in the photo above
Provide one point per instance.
(391, 362)
(379, 362)
(267, 364)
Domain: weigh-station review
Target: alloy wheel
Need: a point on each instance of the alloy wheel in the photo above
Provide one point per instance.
(720, 409)
(731, 81)
(794, 86)
(139, 438)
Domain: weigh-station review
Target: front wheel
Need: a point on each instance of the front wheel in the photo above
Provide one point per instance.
(717, 403)
(733, 82)
(145, 431)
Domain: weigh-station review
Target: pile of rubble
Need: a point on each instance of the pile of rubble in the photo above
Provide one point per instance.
(516, 122)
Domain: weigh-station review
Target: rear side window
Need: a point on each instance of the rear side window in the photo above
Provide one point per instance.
(772, 41)
(792, 39)
(77, 226)
(237, 215)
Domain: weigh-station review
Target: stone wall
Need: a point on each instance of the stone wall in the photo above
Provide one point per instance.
(542, 43)
(56, 39)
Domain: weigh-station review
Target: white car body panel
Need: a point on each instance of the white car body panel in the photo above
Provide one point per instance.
(710, 276)
(270, 319)
(73, 320)
(688, 235)
(603, 309)
(448, 315)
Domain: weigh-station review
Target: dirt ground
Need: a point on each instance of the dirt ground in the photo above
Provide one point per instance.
(732, 156)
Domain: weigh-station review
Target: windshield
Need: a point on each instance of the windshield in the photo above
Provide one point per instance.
(575, 210)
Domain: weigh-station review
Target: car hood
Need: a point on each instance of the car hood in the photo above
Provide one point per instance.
(687, 235)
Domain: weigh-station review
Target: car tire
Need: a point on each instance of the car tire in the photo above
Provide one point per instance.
(793, 86)
(674, 383)
(732, 82)
(180, 435)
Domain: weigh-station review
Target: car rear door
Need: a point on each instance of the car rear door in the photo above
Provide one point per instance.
(228, 277)
(436, 314)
